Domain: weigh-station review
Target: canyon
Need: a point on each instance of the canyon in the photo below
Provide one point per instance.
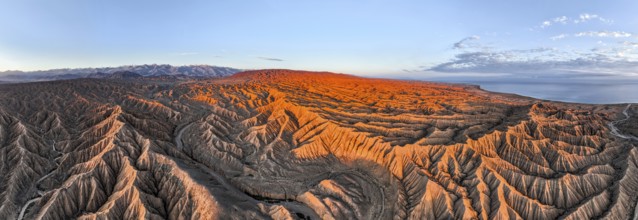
(283, 144)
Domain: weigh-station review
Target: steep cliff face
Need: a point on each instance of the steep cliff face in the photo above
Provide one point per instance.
(279, 144)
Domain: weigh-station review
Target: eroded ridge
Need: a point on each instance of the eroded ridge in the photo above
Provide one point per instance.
(279, 144)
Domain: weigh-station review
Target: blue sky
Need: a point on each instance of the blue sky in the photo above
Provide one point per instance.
(487, 38)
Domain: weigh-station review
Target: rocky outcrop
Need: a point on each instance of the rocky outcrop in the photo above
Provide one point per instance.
(280, 144)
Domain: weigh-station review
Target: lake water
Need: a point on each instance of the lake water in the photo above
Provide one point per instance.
(570, 92)
(594, 91)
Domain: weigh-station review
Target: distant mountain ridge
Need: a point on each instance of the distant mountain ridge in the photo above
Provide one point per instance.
(105, 72)
(124, 75)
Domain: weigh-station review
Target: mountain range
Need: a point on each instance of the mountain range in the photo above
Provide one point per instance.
(104, 72)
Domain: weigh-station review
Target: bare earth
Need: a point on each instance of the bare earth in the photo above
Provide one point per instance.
(279, 144)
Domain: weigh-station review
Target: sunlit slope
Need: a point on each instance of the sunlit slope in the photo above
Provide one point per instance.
(280, 144)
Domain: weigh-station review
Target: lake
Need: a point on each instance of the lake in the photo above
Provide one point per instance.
(593, 90)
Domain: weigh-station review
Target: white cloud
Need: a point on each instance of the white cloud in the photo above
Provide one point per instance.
(615, 34)
(561, 19)
(608, 34)
(558, 37)
(586, 17)
(556, 20)
(582, 18)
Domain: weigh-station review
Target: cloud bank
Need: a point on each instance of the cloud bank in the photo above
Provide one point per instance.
(620, 59)
(537, 63)
(594, 54)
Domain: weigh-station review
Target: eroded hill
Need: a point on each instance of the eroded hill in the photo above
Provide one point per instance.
(279, 144)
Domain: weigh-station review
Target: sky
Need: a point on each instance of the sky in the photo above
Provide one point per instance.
(562, 38)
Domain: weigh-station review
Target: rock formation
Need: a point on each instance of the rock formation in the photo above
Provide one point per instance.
(278, 144)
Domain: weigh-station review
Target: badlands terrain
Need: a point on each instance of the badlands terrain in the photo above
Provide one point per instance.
(278, 144)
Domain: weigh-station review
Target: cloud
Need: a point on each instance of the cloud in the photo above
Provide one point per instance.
(586, 17)
(556, 20)
(619, 59)
(604, 58)
(561, 19)
(582, 18)
(466, 42)
(615, 34)
(623, 50)
(505, 62)
(630, 44)
(270, 59)
(608, 34)
(558, 37)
